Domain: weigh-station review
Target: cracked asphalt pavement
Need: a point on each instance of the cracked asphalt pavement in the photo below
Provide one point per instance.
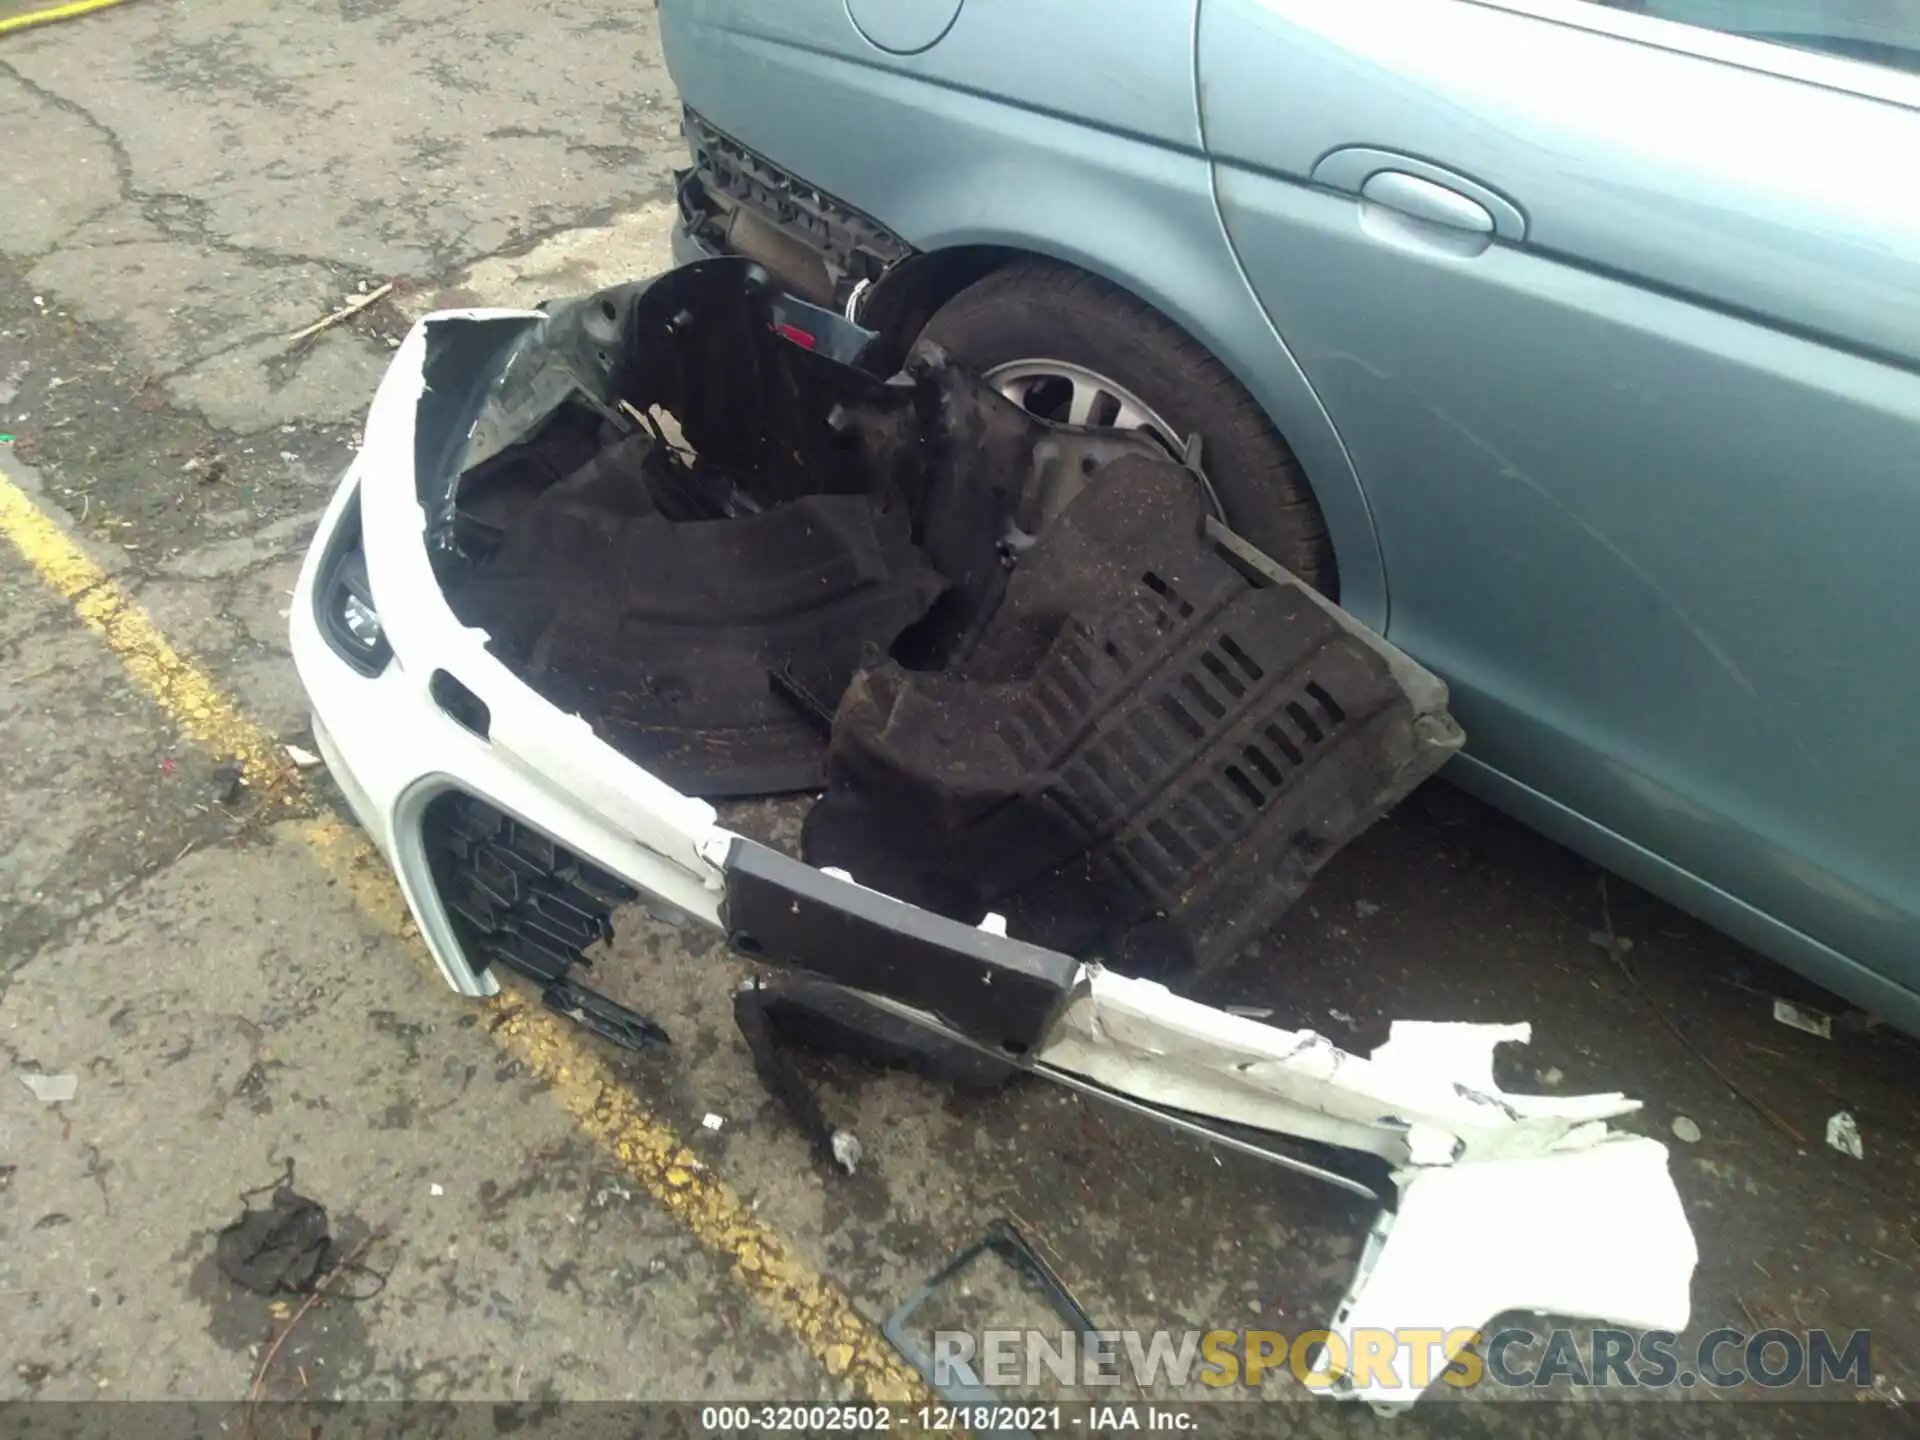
(186, 183)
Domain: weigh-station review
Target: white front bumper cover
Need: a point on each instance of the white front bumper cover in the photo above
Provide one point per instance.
(1476, 1168)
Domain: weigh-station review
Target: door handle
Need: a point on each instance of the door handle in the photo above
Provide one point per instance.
(1419, 188)
(1424, 200)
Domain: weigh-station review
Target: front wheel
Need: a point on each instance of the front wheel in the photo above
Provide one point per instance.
(1070, 347)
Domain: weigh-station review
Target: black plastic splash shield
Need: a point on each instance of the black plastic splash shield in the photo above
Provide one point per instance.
(1147, 756)
(666, 632)
(701, 589)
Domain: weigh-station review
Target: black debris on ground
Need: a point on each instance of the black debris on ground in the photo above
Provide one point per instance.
(280, 1248)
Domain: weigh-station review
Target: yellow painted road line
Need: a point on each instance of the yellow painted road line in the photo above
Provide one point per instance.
(194, 702)
(72, 11)
(816, 1311)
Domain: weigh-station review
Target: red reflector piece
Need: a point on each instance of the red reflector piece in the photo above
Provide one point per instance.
(796, 335)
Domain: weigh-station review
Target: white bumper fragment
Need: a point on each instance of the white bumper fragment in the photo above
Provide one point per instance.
(1596, 1232)
(1426, 1097)
(1505, 1200)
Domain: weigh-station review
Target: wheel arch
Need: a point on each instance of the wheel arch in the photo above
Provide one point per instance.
(904, 299)
(1233, 326)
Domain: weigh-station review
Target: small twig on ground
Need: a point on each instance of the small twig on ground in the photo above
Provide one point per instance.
(1613, 947)
(319, 1293)
(346, 312)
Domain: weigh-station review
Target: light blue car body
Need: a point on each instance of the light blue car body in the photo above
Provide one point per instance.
(1608, 385)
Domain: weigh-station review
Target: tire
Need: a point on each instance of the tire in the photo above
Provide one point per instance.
(1041, 310)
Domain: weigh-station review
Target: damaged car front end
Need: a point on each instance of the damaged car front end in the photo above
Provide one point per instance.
(1075, 742)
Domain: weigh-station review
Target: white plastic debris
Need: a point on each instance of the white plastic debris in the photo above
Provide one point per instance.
(1685, 1129)
(1252, 1012)
(436, 1188)
(1844, 1135)
(305, 759)
(1802, 1018)
(52, 1089)
(1426, 1096)
(846, 1150)
(1461, 1148)
(711, 1121)
(1596, 1232)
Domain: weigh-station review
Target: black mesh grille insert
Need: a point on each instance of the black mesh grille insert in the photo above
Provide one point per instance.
(517, 898)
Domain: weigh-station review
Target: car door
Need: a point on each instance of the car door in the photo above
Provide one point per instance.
(1619, 319)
